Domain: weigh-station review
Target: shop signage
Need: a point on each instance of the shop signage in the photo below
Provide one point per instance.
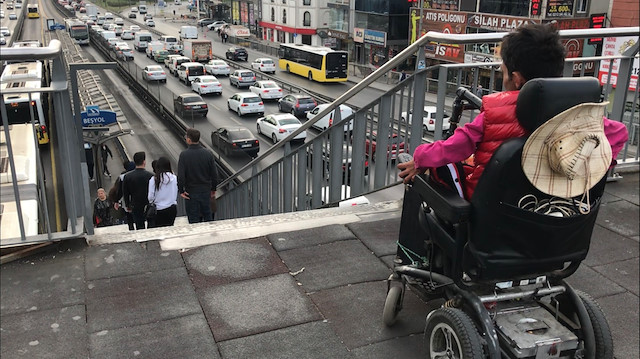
(448, 22)
(535, 7)
(559, 8)
(497, 22)
(596, 21)
(358, 35)
(338, 34)
(374, 37)
(616, 46)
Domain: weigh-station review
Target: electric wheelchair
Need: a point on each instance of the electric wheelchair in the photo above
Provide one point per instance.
(500, 269)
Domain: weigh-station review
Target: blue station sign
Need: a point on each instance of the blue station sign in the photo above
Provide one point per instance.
(93, 116)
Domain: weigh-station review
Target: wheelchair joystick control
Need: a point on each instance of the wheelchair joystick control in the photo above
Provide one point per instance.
(404, 157)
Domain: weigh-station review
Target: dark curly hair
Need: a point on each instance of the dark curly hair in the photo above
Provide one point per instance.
(534, 50)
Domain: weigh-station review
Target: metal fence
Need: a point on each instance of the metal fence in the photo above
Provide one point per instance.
(339, 164)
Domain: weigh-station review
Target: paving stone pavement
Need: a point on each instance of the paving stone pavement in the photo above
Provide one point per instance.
(308, 293)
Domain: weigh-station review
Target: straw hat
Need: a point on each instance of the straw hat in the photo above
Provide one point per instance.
(569, 154)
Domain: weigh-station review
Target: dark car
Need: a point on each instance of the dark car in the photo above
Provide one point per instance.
(132, 15)
(297, 104)
(234, 140)
(190, 105)
(205, 22)
(237, 53)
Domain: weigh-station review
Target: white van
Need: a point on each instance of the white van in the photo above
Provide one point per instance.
(190, 70)
(106, 35)
(141, 40)
(188, 32)
(142, 9)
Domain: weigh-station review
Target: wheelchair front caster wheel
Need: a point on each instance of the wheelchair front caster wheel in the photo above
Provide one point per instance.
(450, 333)
(392, 306)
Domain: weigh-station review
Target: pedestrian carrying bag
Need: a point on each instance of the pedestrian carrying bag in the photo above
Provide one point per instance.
(150, 211)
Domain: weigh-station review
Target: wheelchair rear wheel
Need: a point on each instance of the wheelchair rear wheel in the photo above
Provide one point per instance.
(450, 333)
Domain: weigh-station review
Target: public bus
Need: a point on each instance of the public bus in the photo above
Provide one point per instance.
(320, 64)
(21, 106)
(78, 31)
(32, 11)
(24, 152)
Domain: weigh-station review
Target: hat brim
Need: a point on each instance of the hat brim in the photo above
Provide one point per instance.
(586, 117)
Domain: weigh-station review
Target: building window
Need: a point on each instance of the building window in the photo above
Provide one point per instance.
(284, 16)
(306, 2)
(306, 19)
(505, 7)
(581, 6)
(273, 14)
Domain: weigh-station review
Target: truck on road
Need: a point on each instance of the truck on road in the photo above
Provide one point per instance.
(92, 11)
(197, 50)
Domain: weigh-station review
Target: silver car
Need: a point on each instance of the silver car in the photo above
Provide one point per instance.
(267, 90)
(242, 78)
(217, 67)
(154, 73)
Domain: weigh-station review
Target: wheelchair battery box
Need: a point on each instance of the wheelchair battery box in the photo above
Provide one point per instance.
(532, 332)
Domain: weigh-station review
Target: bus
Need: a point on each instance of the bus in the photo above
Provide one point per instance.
(78, 31)
(320, 64)
(24, 153)
(32, 11)
(20, 106)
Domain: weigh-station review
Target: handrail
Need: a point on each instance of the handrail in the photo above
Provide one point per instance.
(431, 36)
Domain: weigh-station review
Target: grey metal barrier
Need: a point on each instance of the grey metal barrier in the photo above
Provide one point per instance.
(340, 164)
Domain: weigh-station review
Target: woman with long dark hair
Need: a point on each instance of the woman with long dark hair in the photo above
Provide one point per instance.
(163, 191)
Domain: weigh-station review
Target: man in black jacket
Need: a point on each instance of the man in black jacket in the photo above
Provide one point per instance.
(135, 188)
(197, 178)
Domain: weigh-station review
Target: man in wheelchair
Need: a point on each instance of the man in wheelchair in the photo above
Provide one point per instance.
(523, 213)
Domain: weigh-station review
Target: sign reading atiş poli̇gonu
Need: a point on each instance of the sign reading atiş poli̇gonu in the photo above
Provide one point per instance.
(615, 46)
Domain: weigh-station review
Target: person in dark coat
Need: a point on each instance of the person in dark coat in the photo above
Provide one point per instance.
(135, 187)
(102, 210)
(105, 152)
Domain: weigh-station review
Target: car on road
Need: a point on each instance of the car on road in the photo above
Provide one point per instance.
(134, 28)
(176, 62)
(297, 104)
(216, 25)
(154, 73)
(189, 105)
(148, 16)
(150, 23)
(264, 64)
(217, 67)
(245, 102)
(242, 78)
(1, 14)
(124, 53)
(428, 119)
(169, 59)
(206, 84)
(394, 147)
(205, 22)
(132, 15)
(327, 120)
(266, 89)
(347, 160)
(279, 126)
(235, 140)
(119, 21)
(134, 9)
(190, 70)
(5, 31)
(236, 53)
(3, 40)
(127, 35)
(13, 16)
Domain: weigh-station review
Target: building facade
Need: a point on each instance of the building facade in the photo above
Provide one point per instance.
(294, 21)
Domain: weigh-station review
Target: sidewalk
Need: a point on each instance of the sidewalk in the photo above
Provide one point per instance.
(297, 285)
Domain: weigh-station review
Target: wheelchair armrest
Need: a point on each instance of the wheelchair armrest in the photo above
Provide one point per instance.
(447, 204)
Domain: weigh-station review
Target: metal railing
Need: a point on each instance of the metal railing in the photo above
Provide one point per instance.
(338, 164)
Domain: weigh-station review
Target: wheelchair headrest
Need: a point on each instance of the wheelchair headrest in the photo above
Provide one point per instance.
(541, 99)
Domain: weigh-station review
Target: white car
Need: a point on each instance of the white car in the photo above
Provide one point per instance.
(13, 16)
(428, 119)
(134, 28)
(154, 73)
(279, 126)
(119, 21)
(206, 84)
(5, 31)
(3, 40)
(327, 120)
(267, 90)
(245, 102)
(134, 9)
(127, 35)
(150, 23)
(216, 25)
(264, 64)
(217, 67)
